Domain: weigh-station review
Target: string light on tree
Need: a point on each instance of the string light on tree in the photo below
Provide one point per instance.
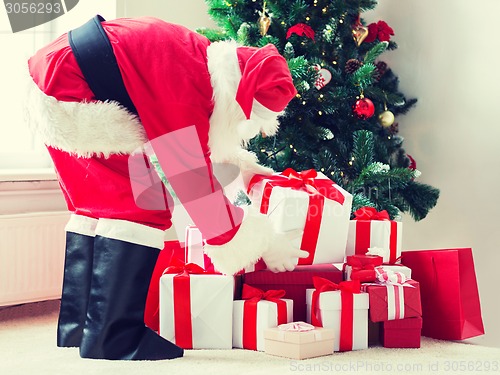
(324, 126)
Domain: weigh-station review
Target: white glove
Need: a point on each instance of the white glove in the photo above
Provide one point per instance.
(282, 255)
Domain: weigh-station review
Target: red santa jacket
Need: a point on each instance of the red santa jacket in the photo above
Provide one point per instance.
(184, 89)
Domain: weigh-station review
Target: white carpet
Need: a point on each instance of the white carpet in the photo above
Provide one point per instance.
(27, 346)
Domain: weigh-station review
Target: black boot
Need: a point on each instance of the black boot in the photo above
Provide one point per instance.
(114, 328)
(76, 280)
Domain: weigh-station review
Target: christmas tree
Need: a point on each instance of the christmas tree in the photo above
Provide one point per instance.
(342, 121)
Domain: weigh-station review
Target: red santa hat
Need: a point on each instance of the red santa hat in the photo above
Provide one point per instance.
(265, 77)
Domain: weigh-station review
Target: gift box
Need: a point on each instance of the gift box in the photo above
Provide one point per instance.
(402, 333)
(394, 300)
(361, 267)
(398, 268)
(307, 201)
(196, 308)
(451, 307)
(372, 232)
(298, 340)
(341, 307)
(257, 311)
(368, 276)
(294, 283)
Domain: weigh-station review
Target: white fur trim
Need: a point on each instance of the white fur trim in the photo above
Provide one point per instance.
(224, 139)
(85, 129)
(267, 119)
(229, 129)
(128, 231)
(81, 225)
(252, 239)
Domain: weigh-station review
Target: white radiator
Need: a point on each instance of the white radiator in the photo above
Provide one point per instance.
(31, 256)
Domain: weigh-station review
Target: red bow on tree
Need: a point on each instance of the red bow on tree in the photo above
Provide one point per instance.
(380, 30)
(301, 29)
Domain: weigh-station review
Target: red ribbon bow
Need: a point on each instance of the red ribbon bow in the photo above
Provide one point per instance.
(318, 190)
(179, 267)
(301, 29)
(252, 296)
(370, 213)
(347, 290)
(363, 266)
(182, 299)
(255, 294)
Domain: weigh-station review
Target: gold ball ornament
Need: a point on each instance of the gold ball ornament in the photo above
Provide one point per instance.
(264, 23)
(386, 119)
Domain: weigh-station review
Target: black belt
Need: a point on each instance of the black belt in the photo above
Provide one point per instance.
(95, 57)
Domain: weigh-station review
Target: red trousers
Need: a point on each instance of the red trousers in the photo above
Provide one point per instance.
(101, 187)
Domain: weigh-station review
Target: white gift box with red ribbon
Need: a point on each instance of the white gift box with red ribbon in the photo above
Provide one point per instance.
(266, 317)
(307, 201)
(342, 307)
(374, 234)
(196, 310)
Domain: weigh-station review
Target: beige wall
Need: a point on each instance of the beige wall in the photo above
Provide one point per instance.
(190, 13)
(446, 58)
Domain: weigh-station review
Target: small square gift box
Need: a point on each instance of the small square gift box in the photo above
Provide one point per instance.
(393, 297)
(342, 307)
(361, 267)
(257, 311)
(308, 201)
(298, 340)
(196, 307)
(397, 268)
(372, 232)
(402, 333)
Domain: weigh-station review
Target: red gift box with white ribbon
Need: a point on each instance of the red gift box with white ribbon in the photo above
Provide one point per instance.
(257, 311)
(373, 233)
(307, 201)
(393, 296)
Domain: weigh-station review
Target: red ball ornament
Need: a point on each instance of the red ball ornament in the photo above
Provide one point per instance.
(364, 108)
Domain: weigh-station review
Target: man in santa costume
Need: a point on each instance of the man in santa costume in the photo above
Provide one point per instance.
(106, 95)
